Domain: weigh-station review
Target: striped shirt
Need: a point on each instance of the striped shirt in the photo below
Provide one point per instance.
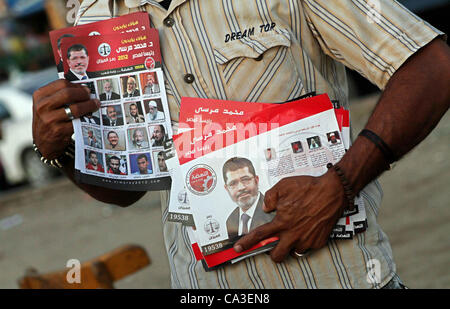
(274, 51)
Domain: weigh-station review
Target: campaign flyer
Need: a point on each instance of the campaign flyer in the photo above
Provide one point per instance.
(130, 23)
(124, 145)
(179, 211)
(222, 176)
(199, 115)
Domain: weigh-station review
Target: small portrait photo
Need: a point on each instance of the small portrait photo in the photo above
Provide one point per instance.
(314, 142)
(297, 147)
(149, 83)
(159, 157)
(94, 161)
(137, 139)
(130, 86)
(92, 118)
(108, 89)
(333, 138)
(141, 164)
(153, 110)
(116, 164)
(112, 115)
(78, 63)
(158, 135)
(92, 137)
(269, 154)
(114, 140)
(134, 112)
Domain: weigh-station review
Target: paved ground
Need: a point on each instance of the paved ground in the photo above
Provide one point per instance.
(44, 228)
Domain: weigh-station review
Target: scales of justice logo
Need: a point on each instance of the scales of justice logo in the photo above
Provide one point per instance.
(201, 179)
(104, 49)
(211, 225)
(183, 197)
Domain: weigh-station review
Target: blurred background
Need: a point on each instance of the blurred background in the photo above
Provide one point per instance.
(45, 220)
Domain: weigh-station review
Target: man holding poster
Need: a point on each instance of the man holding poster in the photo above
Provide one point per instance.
(284, 50)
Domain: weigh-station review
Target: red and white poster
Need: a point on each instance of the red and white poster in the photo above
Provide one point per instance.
(131, 23)
(236, 151)
(125, 143)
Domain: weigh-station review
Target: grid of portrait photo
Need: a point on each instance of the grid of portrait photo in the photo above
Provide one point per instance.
(314, 142)
(129, 136)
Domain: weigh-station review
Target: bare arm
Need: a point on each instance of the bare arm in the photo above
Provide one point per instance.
(415, 99)
(52, 131)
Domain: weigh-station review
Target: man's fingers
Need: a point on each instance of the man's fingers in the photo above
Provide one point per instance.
(300, 248)
(273, 195)
(281, 249)
(270, 200)
(54, 87)
(67, 96)
(50, 88)
(80, 109)
(260, 233)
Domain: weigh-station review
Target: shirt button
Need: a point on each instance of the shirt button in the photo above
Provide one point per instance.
(169, 22)
(189, 78)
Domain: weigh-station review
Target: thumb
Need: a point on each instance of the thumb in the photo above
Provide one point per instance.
(270, 200)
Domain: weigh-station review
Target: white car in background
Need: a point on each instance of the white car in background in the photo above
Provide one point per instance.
(20, 162)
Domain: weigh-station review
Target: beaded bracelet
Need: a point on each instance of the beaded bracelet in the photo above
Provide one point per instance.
(348, 190)
(68, 155)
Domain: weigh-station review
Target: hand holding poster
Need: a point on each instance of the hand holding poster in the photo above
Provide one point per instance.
(121, 145)
(224, 166)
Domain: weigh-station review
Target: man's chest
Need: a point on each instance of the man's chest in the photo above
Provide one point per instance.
(233, 50)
